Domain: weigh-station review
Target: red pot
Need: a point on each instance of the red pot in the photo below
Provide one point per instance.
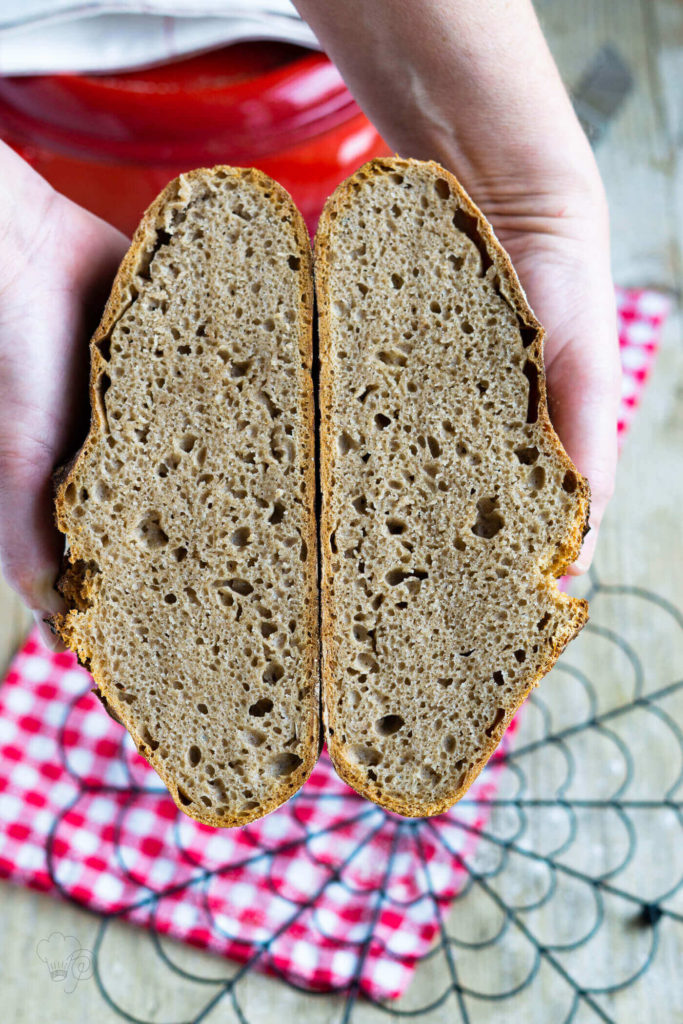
(111, 142)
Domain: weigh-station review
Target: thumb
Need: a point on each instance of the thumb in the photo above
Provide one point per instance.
(30, 544)
(584, 389)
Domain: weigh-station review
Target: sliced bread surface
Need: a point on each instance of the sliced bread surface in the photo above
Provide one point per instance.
(190, 510)
(449, 503)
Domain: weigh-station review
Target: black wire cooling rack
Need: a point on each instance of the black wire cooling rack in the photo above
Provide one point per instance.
(575, 881)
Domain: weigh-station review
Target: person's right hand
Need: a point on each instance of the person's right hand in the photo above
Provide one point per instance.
(57, 262)
(474, 86)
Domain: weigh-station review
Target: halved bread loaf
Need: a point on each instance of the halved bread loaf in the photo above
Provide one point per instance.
(190, 510)
(449, 504)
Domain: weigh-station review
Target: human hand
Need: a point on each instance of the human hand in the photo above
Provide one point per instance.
(57, 262)
(474, 86)
(557, 235)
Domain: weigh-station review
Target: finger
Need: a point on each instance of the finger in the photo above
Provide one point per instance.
(584, 390)
(30, 545)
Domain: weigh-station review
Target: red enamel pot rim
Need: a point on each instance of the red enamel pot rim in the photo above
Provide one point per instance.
(232, 104)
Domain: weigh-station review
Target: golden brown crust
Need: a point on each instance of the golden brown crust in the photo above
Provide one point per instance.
(74, 583)
(564, 557)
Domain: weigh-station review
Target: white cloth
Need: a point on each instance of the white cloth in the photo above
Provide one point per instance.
(49, 36)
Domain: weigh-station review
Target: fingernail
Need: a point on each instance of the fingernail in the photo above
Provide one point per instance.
(49, 639)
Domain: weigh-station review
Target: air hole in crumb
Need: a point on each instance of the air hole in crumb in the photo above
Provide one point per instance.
(362, 288)
(397, 281)
(469, 226)
(457, 261)
(396, 576)
(537, 478)
(183, 797)
(149, 739)
(261, 708)
(241, 537)
(368, 757)
(184, 350)
(179, 554)
(392, 358)
(272, 672)
(382, 421)
(396, 526)
(434, 447)
(293, 262)
(346, 443)
(520, 655)
(543, 622)
(527, 456)
(267, 629)
(500, 715)
(187, 442)
(528, 334)
(498, 678)
(284, 764)
(202, 708)
(273, 410)
(170, 599)
(240, 369)
(368, 391)
(489, 520)
(569, 482)
(389, 724)
(241, 587)
(277, 514)
(194, 755)
(435, 306)
(449, 744)
(531, 373)
(102, 386)
(149, 532)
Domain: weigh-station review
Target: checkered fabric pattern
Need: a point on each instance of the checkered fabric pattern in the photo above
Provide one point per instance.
(640, 315)
(325, 891)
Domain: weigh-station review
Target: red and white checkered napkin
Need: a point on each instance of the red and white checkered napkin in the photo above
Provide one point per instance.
(640, 316)
(326, 891)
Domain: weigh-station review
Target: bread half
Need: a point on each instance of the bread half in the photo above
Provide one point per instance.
(449, 503)
(190, 510)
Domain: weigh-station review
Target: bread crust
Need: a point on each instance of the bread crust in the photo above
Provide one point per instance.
(565, 555)
(73, 582)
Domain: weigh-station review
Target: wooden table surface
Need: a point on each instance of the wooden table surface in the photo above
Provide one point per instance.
(641, 549)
